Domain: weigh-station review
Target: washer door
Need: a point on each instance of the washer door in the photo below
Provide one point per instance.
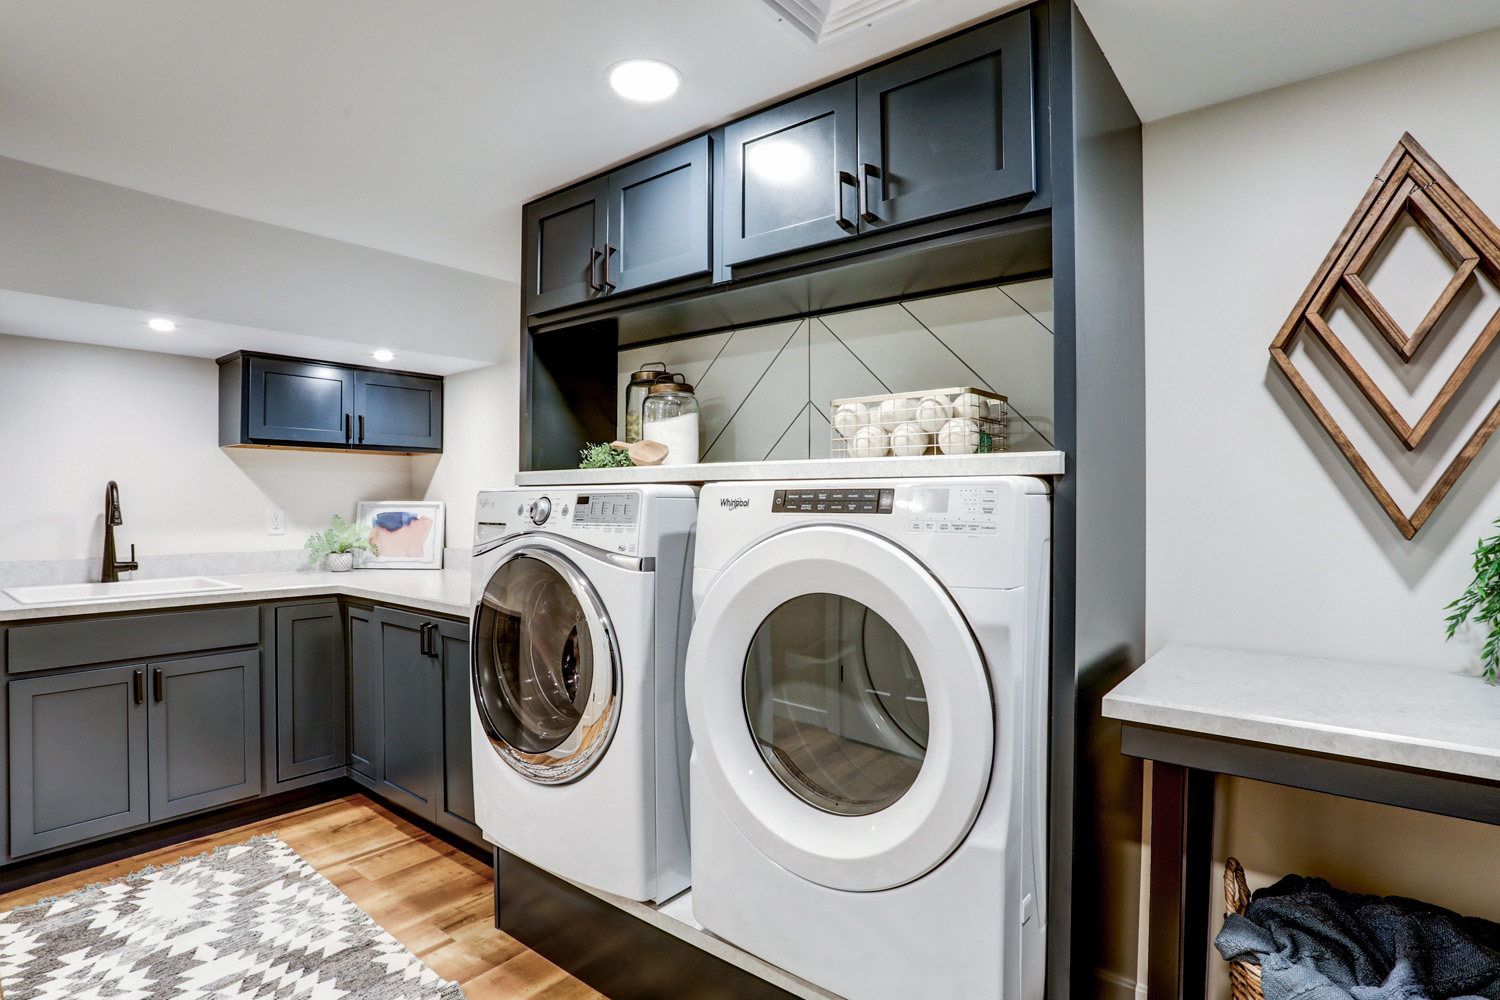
(840, 709)
(545, 667)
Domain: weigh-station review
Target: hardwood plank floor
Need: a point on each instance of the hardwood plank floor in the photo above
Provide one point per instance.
(432, 897)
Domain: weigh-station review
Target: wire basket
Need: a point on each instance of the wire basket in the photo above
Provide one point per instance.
(956, 421)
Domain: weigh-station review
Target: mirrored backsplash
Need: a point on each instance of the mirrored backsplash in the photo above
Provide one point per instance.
(764, 390)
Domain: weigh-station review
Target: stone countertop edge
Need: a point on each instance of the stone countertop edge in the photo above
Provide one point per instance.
(1414, 717)
(1004, 463)
(444, 592)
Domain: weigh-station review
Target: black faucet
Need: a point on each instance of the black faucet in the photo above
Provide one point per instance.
(112, 566)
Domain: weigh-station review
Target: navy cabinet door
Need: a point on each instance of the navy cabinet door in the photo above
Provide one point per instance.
(565, 236)
(790, 176)
(411, 683)
(455, 807)
(403, 412)
(659, 218)
(300, 402)
(366, 720)
(77, 757)
(948, 128)
(204, 732)
(310, 690)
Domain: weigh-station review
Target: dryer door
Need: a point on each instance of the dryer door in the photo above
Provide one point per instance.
(546, 669)
(840, 708)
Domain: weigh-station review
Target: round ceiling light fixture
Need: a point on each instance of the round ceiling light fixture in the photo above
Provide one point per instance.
(161, 324)
(644, 81)
(384, 355)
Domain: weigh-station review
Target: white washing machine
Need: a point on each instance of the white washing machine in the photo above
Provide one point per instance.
(582, 605)
(866, 689)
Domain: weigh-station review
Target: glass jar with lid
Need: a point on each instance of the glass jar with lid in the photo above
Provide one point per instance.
(635, 396)
(670, 417)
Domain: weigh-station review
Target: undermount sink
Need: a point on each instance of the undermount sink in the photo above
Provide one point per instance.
(82, 593)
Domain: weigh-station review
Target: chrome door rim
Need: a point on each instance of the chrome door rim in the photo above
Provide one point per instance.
(550, 768)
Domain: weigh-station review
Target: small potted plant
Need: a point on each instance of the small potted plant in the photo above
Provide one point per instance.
(1480, 604)
(337, 545)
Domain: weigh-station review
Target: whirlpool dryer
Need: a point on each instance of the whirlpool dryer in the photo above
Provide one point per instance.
(581, 611)
(866, 687)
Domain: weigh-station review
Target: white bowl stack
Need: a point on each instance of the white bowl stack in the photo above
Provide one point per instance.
(954, 421)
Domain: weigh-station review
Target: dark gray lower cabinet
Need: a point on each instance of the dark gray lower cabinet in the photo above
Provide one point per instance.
(365, 694)
(420, 667)
(310, 690)
(204, 729)
(77, 757)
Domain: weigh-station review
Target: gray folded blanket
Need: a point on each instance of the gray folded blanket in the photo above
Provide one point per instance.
(1315, 942)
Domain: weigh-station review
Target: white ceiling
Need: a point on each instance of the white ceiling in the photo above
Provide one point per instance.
(1173, 56)
(413, 127)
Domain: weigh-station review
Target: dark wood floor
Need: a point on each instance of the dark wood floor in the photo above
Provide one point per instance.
(434, 898)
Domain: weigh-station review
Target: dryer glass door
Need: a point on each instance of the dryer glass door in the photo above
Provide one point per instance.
(546, 671)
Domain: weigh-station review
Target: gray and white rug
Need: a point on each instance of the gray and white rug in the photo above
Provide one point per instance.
(250, 922)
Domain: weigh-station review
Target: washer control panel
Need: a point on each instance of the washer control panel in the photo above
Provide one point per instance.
(606, 508)
(947, 511)
(833, 501)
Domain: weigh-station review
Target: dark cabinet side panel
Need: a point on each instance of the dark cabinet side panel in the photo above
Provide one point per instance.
(366, 719)
(77, 757)
(950, 127)
(311, 700)
(204, 732)
(402, 412)
(456, 804)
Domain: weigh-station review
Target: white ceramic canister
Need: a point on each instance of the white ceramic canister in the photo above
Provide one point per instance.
(669, 416)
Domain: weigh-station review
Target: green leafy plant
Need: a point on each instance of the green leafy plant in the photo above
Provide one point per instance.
(342, 537)
(1480, 603)
(602, 456)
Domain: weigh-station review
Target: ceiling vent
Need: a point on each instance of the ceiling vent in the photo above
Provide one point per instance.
(828, 20)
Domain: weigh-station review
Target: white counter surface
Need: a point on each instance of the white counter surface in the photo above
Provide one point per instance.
(1406, 716)
(439, 591)
(1005, 463)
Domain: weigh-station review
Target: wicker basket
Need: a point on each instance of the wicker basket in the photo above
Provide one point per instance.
(1244, 978)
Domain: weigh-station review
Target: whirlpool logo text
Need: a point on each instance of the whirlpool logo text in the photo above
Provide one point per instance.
(734, 502)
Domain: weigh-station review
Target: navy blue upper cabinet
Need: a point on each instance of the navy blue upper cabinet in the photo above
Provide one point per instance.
(270, 401)
(565, 237)
(790, 180)
(644, 224)
(949, 127)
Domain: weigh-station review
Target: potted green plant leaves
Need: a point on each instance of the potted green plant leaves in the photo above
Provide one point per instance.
(338, 544)
(1480, 604)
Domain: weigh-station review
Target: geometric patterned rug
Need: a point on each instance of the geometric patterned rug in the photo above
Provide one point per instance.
(249, 922)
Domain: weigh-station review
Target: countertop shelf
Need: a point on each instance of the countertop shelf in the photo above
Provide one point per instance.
(1007, 463)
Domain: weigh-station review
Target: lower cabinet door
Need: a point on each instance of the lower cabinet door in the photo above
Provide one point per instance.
(411, 684)
(366, 718)
(310, 696)
(455, 810)
(204, 732)
(77, 757)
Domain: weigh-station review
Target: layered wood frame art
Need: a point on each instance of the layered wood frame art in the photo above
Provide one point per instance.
(1410, 184)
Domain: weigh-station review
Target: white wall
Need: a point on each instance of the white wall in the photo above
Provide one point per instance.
(1260, 536)
(481, 442)
(73, 417)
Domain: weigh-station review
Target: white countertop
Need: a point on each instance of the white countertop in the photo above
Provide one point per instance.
(1005, 463)
(440, 591)
(1406, 716)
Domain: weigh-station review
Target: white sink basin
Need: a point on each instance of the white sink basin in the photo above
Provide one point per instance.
(84, 593)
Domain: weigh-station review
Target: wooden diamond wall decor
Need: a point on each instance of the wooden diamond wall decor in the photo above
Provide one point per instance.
(1411, 184)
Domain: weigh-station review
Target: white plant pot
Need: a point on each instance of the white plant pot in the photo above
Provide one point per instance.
(339, 562)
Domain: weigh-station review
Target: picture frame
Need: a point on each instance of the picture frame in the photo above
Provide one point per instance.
(408, 534)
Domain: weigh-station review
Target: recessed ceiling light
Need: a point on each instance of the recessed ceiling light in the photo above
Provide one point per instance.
(161, 325)
(644, 80)
(384, 355)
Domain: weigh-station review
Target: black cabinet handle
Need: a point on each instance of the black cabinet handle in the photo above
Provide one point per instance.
(430, 639)
(609, 251)
(361, 428)
(843, 177)
(866, 171)
(156, 691)
(348, 428)
(140, 686)
(594, 254)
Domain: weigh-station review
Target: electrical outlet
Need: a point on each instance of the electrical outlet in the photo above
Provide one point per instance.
(275, 522)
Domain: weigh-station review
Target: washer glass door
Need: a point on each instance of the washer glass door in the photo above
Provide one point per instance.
(545, 667)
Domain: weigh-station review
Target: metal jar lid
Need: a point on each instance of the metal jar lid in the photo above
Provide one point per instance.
(664, 385)
(650, 373)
